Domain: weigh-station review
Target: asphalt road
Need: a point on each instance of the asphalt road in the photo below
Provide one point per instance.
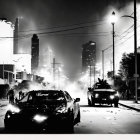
(101, 120)
(108, 120)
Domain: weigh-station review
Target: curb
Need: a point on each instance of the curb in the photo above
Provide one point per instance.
(130, 107)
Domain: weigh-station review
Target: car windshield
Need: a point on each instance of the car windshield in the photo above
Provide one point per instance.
(100, 86)
(41, 96)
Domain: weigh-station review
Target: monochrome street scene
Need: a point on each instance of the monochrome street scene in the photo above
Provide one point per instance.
(69, 67)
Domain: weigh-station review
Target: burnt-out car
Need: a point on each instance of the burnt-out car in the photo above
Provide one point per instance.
(102, 93)
(43, 111)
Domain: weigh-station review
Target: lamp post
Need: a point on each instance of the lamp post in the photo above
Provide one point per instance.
(113, 20)
(135, 49)
(136, 75)
(103, 64)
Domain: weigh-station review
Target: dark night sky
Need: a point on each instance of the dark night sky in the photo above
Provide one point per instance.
(40, 15)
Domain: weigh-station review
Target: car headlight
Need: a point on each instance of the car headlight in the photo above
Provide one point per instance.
(39, 118)
(111, 96)
(13, 108)
(96, 95)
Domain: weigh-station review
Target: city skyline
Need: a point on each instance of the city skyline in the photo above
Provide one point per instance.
(66, 34)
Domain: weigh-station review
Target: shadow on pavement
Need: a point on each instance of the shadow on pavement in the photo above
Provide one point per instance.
(98, 106)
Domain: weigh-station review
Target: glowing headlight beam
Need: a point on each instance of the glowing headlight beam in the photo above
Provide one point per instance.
(40, 118)
(111, 96)
(13, 108)
(96, 95)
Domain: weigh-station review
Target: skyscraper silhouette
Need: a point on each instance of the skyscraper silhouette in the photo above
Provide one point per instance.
(34, 53)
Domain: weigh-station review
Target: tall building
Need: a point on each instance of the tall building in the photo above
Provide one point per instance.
(34, 53)
(16, 36)
(88, 55)
(46, 57)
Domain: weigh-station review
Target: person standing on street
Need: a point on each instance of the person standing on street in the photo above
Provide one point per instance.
(10, 96)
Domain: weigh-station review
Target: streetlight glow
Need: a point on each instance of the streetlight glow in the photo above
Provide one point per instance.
(113, 18)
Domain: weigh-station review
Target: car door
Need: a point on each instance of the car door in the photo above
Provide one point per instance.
(72, 104)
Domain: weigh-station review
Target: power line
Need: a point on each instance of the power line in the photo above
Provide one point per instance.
(62, 30)
(64, 35)
(64, 26)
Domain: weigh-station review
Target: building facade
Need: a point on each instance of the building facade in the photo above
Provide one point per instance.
(7, 73)
(34, 53)
(6, 44)
(88, 55)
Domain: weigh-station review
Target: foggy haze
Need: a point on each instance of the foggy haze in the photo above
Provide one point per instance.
(45, 16)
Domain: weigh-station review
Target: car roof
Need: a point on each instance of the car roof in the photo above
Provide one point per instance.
(45, 91)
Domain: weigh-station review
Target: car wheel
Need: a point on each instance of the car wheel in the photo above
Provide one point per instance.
(92, 102)
(89, 102)
(70, 124)
(78, 117)
(8, 127)
(70, 128)
(116, 104)
(77, 120)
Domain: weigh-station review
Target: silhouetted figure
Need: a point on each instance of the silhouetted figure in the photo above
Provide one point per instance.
(10, 96)
(20, 95)
(128, 94)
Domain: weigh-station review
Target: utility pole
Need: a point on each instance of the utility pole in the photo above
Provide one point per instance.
(135, 49)
(94, 72)
(54, 63)
(3, 70)
(113, 51)
(103, 64)
(113, 20)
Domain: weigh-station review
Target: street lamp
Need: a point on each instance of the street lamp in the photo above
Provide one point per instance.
(113, 20)
(103, 64)
(136, 75)
(135, 51)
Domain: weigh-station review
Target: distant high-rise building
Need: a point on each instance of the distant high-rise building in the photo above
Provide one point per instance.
(46, 57)
(34, 53)
(88, 55)
(16, 36)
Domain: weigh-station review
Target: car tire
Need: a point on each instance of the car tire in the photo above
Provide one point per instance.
(77, 120)
(89, 102)
(8, 127)
(70, 128)
(70, 124)
(78, 116)
(116, 104)
(92, 102)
